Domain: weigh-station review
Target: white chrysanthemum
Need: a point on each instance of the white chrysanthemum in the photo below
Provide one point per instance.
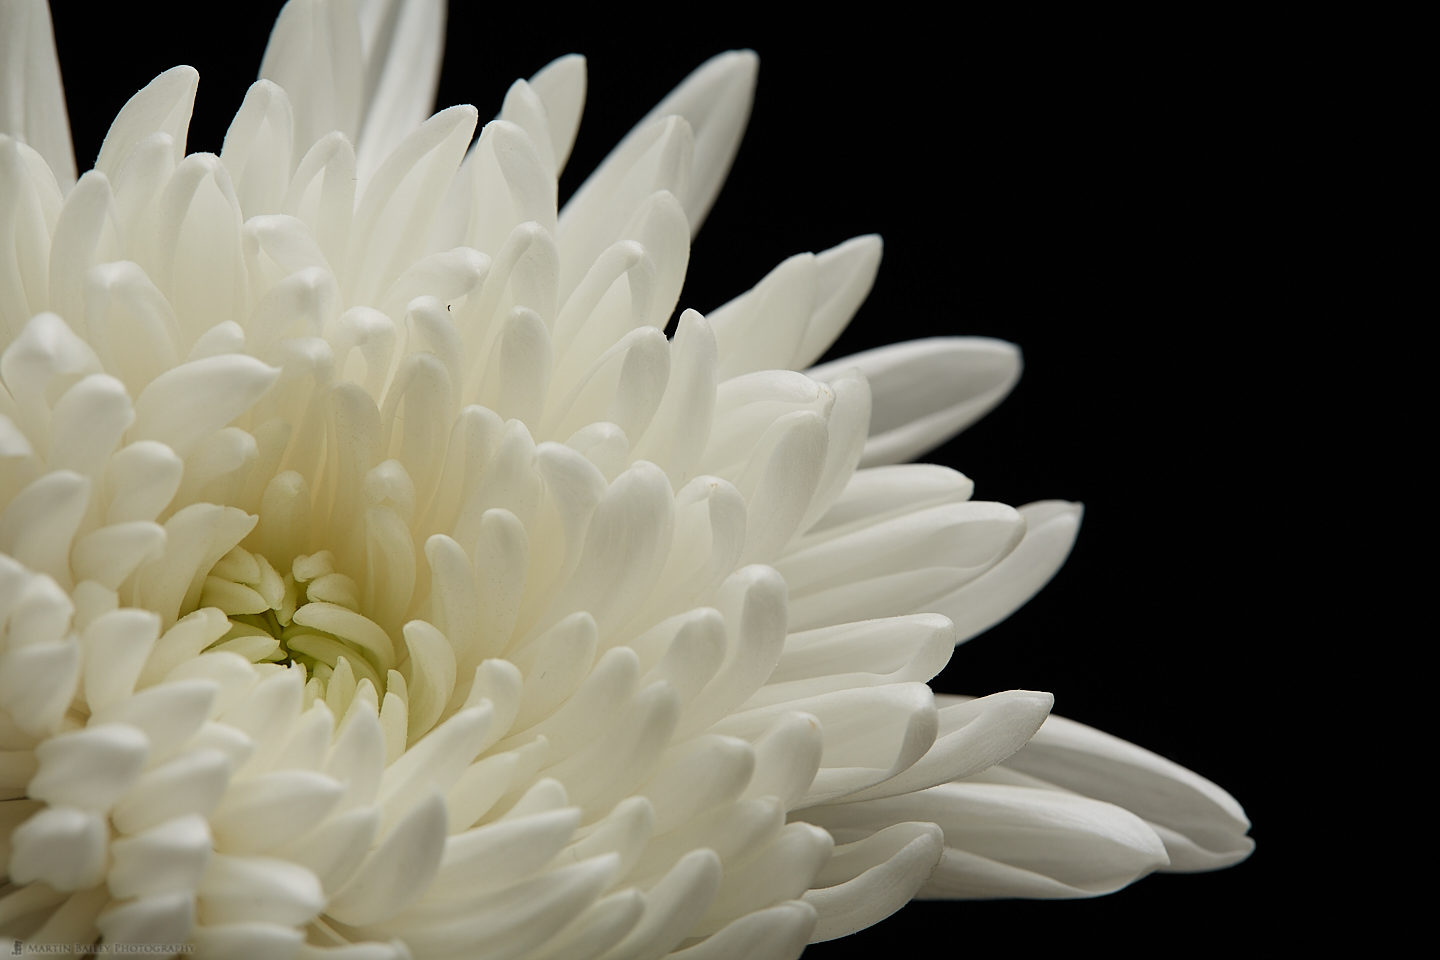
(378, 579)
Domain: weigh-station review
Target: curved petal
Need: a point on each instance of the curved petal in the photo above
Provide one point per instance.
(926, 391)
(1003, 840)
(1050, 530)
(1203, 826)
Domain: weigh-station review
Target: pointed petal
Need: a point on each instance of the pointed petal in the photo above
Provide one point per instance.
(791, 317)
(715, 102)
(32, 100)
(561, 88)
(314, 53)
(1050, 530)
(397, 871)
(1203, 826)
(162, 106)
(402, 70)
(1011, 841)
(974, 735)
(926, 391)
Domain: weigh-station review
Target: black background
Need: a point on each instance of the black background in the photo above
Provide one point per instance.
(1119, 197)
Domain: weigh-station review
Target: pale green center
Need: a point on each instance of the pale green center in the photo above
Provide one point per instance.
(310, 615)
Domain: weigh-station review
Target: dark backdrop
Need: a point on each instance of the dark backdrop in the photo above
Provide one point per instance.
(1117, 197)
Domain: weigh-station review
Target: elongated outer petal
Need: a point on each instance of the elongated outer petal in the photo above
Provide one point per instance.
(402, 52)
(1012, 841)
(560, 85)
(32, 101)
(314, 53)
(1203, 826)
(973, 736)
(926, 391)
(715, 102)
(791, 317)
(1050, 530)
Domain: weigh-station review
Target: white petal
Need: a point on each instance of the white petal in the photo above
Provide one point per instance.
(132, 325)
(1202, 825)
(89, 768)
(168, 714)
(265, 814)
(505, 179)
(672, 906)
(870, 733)
(782, 871)
(164, 918)
(315, 54)
(257, 149)
(402, 69)
(191, 783)
(681, 426)
(434, 763)
(400, 202)
(791, 317)
(85, 234)
(30, 204)
(498, 855)
(170, 857)
(898, 566)
(1008, 841)
(697, 776)
(87, 423)
(334, 849)
(39, 524)
(398, 871)
(185, 404)
(116, 647)
(1050, 530)
(512, 922)
(926, 391)
(715, 103)
(775, 933)
(245, 940)
(37, 683)
(162, 106)
(973, 735)
(33, 107)
(752, 601)
(868, 880)
(601, 776)
(61, 846)
(656, 158)
(561, 87)
(597, 929)
(247, 889)
(787, 758)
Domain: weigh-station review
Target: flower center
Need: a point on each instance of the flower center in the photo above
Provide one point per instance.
(310, 615)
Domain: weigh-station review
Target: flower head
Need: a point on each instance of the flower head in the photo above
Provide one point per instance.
(376, 571)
